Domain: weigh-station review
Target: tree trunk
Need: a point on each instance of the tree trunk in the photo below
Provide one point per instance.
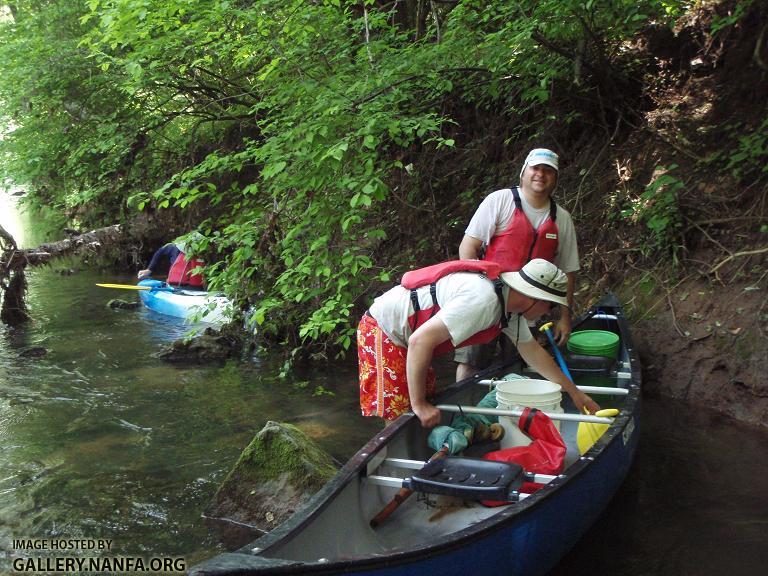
(13, 263)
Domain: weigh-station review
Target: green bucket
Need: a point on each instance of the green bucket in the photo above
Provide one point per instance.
(594, 343)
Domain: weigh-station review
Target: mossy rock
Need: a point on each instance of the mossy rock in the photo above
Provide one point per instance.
(210, 346)
(118, 304)
(33, 352)
(277, 473)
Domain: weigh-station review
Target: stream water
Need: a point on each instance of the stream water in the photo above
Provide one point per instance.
(101, 440)
(695, 502)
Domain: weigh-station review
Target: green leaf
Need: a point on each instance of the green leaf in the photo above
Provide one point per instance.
(272, 170)
(370, 142)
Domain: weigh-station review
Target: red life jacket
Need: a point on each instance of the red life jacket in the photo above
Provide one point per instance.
(180, 272)
(429, 276)
(520, 243)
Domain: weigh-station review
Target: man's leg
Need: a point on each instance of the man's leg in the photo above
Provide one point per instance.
(464, 359)
(472, 359)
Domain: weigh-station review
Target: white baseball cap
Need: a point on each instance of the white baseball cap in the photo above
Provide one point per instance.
(540, 156)
(185, 241)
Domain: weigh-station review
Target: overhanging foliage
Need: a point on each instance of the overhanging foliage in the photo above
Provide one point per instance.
(298, 135)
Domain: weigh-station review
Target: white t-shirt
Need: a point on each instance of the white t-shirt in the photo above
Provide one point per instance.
(468, 305)
(495, 214)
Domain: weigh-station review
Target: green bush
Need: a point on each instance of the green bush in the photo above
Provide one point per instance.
(303, 139)
(658, 208)
(749, 157)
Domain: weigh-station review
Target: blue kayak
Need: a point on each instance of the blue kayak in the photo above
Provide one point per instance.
(186, 303)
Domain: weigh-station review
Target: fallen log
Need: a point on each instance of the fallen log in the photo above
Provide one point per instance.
(88, 242)
(14, 261)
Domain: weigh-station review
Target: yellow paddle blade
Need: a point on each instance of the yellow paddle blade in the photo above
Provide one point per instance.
(125, 286)
(589, 433)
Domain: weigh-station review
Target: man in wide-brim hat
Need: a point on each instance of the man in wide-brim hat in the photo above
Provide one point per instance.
(395, 360)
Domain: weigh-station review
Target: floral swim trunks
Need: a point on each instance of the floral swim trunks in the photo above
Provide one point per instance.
(381, 363)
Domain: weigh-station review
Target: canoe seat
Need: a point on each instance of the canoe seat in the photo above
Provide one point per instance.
(469, 478)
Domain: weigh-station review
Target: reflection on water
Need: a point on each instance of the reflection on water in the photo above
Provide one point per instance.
(695, 501)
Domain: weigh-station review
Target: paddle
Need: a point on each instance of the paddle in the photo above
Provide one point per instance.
(588, 432)
(135, 287)
(546, 329)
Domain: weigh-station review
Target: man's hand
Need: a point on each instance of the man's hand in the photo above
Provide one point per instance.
(562, 331)
(144, 273)
(582, 401)
(428, 415)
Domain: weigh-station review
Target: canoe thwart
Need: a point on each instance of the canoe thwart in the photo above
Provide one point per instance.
(392, 482)
(403, 494)
(403, 463)
(517, 413)
(467, 478)
(608, 390)
(587, 389)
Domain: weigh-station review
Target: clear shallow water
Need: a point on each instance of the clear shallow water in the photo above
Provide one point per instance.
(102, 440)
(99, 439)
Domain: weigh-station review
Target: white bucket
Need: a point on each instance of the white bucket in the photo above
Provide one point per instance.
(518, 394)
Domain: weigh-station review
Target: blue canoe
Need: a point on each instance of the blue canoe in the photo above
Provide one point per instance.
(332, 534)
(185, 303)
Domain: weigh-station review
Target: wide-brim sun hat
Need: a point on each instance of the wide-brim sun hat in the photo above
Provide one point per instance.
(541, 156)
(539, 279)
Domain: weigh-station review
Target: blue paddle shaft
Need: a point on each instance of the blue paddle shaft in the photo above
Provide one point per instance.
(558, 355)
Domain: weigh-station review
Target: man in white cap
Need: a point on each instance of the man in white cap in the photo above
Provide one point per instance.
(515, 225)
(395, 349)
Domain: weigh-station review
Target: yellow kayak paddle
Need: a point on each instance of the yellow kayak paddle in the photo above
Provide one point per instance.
(134, 287)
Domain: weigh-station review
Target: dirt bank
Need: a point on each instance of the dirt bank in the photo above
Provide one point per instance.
(698, 303)
(706, 344)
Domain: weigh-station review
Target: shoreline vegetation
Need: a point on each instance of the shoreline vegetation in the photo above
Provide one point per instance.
(321, 149)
